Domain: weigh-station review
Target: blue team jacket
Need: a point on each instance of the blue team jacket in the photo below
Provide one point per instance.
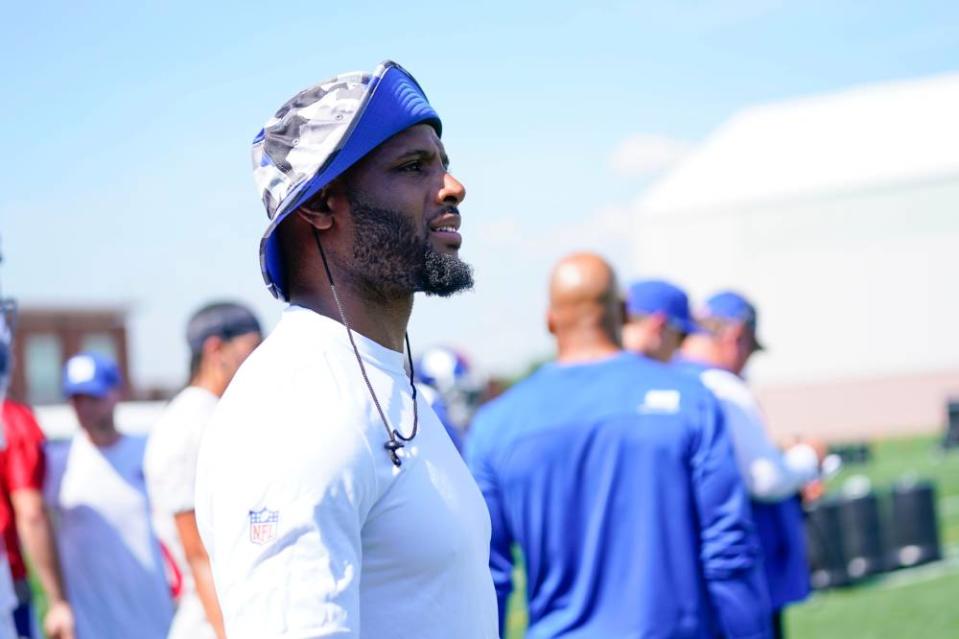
(617, 481)
(780, 529)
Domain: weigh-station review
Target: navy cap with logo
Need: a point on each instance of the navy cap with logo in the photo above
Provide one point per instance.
(321, 132)
(648, 297)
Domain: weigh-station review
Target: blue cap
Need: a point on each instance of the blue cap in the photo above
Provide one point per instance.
(90, 373)
(321, 132)
(646, 297)
(733, 307)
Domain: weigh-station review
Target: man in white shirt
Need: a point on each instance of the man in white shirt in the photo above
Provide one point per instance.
(220, 337)
(329, 497)
(773, 477)
(111, 559)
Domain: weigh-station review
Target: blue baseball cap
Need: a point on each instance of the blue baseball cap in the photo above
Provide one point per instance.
(90, 373)
(646, 297)
(733, 307)
(321, 132)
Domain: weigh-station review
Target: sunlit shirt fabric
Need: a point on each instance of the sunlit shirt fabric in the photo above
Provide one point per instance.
(311, 529)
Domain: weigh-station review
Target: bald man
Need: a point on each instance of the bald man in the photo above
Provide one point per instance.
(614, 475)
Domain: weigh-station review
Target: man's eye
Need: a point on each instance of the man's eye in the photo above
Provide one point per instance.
(414, 166)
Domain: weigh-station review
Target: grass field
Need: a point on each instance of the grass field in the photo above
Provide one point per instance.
(919, 603)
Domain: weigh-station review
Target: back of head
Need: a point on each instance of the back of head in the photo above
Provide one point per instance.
(222, 320)
(658, 318)
(585, 310)
(730, 322)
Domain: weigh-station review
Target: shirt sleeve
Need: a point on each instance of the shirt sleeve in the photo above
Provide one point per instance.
(479, 458)
(729, 550)
(26, 462)
(770, 475)
(287, 548)
(170, 468)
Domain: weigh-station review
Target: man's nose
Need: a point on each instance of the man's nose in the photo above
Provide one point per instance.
(453, 190)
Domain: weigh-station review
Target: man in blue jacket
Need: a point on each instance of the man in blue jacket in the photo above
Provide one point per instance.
(614, 476)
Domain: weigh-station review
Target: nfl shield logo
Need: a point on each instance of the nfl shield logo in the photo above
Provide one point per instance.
(263, 524)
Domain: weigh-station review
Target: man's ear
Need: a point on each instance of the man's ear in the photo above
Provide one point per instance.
(658, 320)
(321, 211)
(731, 332)
(212, 345)
(317, 214)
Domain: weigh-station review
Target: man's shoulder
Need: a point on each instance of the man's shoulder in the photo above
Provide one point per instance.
(134, 445)
(626, 376)
(57, 453)
(186, 413)
(19, 422)
(650, 372)
(295, 407)
(727, 386)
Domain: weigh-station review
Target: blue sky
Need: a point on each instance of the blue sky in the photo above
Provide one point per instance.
(126, 177)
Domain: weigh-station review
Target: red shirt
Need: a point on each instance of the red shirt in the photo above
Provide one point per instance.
(22, 466)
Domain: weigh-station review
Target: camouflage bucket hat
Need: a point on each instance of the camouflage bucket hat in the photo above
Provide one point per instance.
(321, 132)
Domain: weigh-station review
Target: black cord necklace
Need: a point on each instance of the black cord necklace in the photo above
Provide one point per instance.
(396, 440)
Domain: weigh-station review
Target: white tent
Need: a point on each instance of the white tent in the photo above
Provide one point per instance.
(839, 215)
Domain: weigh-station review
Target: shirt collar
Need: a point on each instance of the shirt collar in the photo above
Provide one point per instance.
(330, 330)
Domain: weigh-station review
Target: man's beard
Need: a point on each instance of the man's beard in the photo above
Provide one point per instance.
(390, 259)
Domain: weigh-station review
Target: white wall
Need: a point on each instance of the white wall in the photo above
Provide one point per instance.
(848, 285)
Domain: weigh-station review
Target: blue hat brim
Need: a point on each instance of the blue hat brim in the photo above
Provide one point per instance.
(92, 388)
(395, 103)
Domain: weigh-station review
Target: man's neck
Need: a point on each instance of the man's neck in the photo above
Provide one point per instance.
(699, 349)
(103, 436)
(210, 382)
(383, 321)
(584, 348)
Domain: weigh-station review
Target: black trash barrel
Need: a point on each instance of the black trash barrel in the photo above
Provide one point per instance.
(913, 526)
(824, 537)
(862, 535)
(951, 437)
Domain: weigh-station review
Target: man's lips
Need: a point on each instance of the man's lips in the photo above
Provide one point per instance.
(445, 227)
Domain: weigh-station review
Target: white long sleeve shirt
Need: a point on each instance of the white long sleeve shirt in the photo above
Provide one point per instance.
(770, 474)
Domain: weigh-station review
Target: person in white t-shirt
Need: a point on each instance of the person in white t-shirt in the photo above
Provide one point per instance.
(329, 496)
(95, 489)
(220, 337)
